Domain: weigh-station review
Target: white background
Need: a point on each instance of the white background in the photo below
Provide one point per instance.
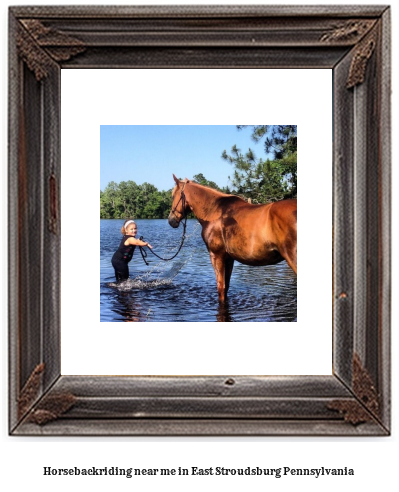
(373, 459)
(108, 97)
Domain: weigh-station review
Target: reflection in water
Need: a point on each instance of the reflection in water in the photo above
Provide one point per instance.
(223, 313)
(185, 290)
(127, 309)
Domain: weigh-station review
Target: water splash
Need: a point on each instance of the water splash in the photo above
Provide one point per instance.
(137, 283)
(163, 272)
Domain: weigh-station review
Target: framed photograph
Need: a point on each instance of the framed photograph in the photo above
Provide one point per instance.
(174, 280)
(49, 44)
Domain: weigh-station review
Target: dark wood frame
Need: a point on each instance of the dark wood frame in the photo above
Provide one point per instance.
(353, 41)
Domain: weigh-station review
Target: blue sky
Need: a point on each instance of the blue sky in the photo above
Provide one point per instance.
(153, 153)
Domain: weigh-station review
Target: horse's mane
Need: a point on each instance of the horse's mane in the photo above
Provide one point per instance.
(216, 193)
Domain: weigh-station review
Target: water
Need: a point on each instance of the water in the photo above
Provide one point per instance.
(184, 289)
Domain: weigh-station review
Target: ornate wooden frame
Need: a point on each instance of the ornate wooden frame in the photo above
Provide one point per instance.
(353, 41)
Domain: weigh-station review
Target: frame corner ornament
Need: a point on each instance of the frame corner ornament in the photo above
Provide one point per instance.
(361, 56)
(38, 46)
(366, 406)
(364, 387)
(30, 391)
(52, 407)
(351, 31)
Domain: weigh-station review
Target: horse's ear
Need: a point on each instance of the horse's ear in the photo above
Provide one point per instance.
(186, 180)
(176, 180)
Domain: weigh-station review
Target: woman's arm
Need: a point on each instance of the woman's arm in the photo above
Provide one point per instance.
(137, 242)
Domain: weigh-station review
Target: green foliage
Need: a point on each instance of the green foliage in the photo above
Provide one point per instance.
(269, 180)
(128, 199)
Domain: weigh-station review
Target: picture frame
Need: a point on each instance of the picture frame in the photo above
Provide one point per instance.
(353, 42)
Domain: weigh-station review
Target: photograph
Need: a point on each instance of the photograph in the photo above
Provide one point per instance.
(193, 248)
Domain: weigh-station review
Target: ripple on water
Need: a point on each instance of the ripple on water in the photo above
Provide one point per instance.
(184, 290)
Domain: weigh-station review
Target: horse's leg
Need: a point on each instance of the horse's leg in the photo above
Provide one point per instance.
(229, 263)
(290, 256)
(292, 264)
(218, 263)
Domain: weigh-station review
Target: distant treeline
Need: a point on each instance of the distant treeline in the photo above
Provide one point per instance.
(128, 199)
(255, 179)
(145, 201)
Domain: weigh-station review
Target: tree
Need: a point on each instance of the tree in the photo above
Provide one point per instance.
(108, 200)
(280, 139)
(270, 180)
(200, 179)
(106, 210)
(126, 192)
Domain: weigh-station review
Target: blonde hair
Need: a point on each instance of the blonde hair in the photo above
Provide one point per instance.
(127, 221)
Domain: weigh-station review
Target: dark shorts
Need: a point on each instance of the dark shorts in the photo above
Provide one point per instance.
(121, 270)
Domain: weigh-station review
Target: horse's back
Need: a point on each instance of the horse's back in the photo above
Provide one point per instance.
(281, 214)
(285, 210)
(264, 219)
(283, 228)
(282, 219)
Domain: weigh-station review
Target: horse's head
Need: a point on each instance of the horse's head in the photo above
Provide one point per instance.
(180, 207)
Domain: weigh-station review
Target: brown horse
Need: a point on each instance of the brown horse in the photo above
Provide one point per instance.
(233, 229)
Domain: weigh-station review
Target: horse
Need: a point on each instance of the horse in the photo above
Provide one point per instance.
(235, 230)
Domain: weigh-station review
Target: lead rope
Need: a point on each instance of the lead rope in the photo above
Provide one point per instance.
(144, 253)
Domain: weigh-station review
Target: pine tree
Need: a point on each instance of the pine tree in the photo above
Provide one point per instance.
(270, 180)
